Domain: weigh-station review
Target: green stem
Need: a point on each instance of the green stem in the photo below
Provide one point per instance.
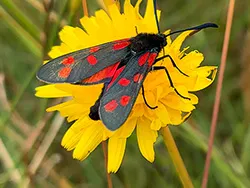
(176, 157)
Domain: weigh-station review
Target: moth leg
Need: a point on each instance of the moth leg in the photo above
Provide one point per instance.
(172, 61)
(169, 78)
(144, 98)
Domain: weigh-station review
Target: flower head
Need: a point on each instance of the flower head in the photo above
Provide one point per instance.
(86, 134)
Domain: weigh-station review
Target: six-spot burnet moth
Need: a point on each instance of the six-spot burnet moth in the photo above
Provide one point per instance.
(121, 65)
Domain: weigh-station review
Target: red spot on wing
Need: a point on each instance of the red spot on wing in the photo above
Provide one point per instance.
(94, 49)
(120, 44)
(125, 100)
(111, 106)
(108, 72)
(117, 73)
(143, 59)
(138, 77)
(68, 60)
(64, 72)
(151, 59)
(91, 59)
(124, 82)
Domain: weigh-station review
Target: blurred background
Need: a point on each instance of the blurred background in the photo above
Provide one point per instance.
(30, 150)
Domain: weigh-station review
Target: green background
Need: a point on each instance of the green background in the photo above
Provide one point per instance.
(27, 32)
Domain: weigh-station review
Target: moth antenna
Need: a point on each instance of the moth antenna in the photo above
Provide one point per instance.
(196, 28)
(156, 17)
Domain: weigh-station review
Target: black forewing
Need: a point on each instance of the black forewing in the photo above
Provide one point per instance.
(81, 69)
(112, 113)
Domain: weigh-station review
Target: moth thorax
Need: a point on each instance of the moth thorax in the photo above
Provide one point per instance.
(144, 41)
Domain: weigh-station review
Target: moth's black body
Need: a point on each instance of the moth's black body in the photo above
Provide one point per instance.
(94, 112)
(146, 41)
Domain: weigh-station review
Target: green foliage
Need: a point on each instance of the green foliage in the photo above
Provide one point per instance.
(28, 30)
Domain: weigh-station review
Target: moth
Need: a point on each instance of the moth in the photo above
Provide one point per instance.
(121, 65)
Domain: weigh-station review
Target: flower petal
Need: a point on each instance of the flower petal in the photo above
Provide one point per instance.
(110, 2)
(137, 9)
(151, 98)
(126, 129)
(149, 16)
(91, 27)
(68, 36)
(71, 109)
(137, 110)
(50, 91)
(116, 149)
(146, 138)
(175, 116)
(106, 26)
(156, 124)
(174, 101)
(92, 136)
(129, 13)
(162, 113)
(202, 80)
(74, 133)
(194, 98)
(82, 94)
(191, 60)
(176, 45)
(149, 113)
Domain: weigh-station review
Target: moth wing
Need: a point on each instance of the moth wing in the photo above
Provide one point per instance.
(120, 95)
(97, 62)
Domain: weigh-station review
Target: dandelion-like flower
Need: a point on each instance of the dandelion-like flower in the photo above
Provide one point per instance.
(86, 134)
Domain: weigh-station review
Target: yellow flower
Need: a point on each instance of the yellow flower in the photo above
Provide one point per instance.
(85, 134)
